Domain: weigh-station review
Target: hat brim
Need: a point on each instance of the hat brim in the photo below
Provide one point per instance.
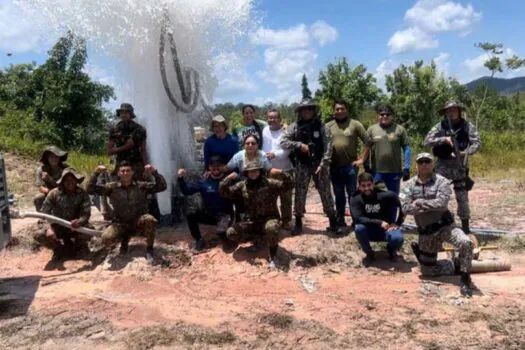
(79, 179)
(249, 169)
(443, 110)
(299, 108)
(61, 155)
(215, 121)
(125, 109)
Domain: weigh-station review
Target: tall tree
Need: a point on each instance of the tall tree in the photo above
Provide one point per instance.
(304, 88)
(339, 81)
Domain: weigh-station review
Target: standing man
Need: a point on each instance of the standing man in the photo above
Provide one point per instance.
(70, 202)
(47, 174)
(372, 214)
(426, 197)
(130, 205)
(312, 143)
(260, 197)
(345, 164)
(387, 140)
(127, 142)
(451, 165)
(280, 159)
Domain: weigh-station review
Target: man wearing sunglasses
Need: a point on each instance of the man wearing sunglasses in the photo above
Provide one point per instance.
(386, 140)
(426, 196)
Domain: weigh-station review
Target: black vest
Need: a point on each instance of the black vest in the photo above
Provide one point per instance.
(309, 133)
(462, 139)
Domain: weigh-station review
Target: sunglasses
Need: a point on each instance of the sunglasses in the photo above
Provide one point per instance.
(385, 114)
(424, 161)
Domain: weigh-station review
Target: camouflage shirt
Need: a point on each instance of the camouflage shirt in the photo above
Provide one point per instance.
(427, 202)
(437, 136)
(131, 202)
(55, 175)
(261, 198)
(68, 207)
(121, 132)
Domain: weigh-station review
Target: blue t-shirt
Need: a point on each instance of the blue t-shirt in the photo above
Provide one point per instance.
(225, 148)
(214, 203)
(237, 162)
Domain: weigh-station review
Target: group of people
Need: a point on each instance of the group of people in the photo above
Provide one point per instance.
(260, 162)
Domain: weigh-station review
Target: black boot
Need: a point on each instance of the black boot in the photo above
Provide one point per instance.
(149, 254)
(124, 244)
(415, 248)
(368, 259)
(298, 228)
(273, 257)
(465, 226)
(228, 246)
(334, 226)
(466, 284)
(200, 245)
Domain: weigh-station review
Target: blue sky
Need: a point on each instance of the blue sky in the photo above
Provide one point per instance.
(295, 37)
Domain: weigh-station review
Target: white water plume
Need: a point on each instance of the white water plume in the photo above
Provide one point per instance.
(128, 31)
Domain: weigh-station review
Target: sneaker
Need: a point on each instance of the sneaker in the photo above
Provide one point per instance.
(368, 259)
(200, 245)
(272, 265)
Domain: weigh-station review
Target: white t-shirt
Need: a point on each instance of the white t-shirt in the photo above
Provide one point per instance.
(272, 143)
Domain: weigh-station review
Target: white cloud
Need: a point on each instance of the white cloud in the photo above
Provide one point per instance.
(323, 32)
(475, 67)
(232, 76)
(17, 34)
(99, 74)
(442, 16)
(411, 39)
(427, 18)
(442, 63)
(386, 67)
(293, 37)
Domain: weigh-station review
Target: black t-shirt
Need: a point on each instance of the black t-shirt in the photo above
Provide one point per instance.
(376, 208)
(120, 132)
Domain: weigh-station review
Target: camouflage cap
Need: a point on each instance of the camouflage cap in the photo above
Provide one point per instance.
(126, 107)
(307, 103)
(253, 165)
(70, 171)
(53, 150)
(424, 155)
(452, 104)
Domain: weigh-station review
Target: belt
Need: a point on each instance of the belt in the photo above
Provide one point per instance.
(446, 219)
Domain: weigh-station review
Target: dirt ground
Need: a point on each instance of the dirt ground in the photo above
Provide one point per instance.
(322, 298)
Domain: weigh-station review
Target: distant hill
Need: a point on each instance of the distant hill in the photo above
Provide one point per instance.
(505, 86)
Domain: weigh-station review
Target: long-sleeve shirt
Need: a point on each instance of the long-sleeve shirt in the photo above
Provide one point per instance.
(214, 203)
(130, 202)
(426, 201)
(272, 143)
(225, 148)
(376, 208)
(68, 206)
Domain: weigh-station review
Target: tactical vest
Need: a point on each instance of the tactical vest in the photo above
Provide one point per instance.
(460, 130)
(309, 133)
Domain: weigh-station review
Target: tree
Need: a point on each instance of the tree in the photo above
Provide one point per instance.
(304, 88)
(495, 65)
(417, 92)
(339, 81)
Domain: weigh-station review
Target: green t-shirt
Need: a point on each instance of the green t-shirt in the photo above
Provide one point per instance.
(386, 146)
(344, 140)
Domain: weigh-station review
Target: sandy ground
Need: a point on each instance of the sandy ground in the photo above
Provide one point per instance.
(322, 298)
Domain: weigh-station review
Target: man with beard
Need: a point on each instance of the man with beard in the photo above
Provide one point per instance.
(260, 197)
(372, 214)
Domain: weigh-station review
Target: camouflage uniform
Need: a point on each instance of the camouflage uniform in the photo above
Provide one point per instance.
(260, 198)
(68, 207)
(428, 203)
(53, 173)
(448, 167)
(120, 133)
(130, 206)
(306, 171)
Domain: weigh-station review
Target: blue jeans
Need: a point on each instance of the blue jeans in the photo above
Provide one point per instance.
(344, 182)
(391, 180)
(374, 233)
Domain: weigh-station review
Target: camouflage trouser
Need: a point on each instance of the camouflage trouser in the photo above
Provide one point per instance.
(302, 181)
(62, 235)
(146, 224)
(429, 246)
(286, 201)
(454, 174)
(38, 201)
(245, 231)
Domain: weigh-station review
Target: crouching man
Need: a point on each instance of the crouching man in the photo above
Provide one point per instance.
(260, 197)
(129, 199)
(374, 212)
(216, 210)
(70, 202)
(426, 196)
